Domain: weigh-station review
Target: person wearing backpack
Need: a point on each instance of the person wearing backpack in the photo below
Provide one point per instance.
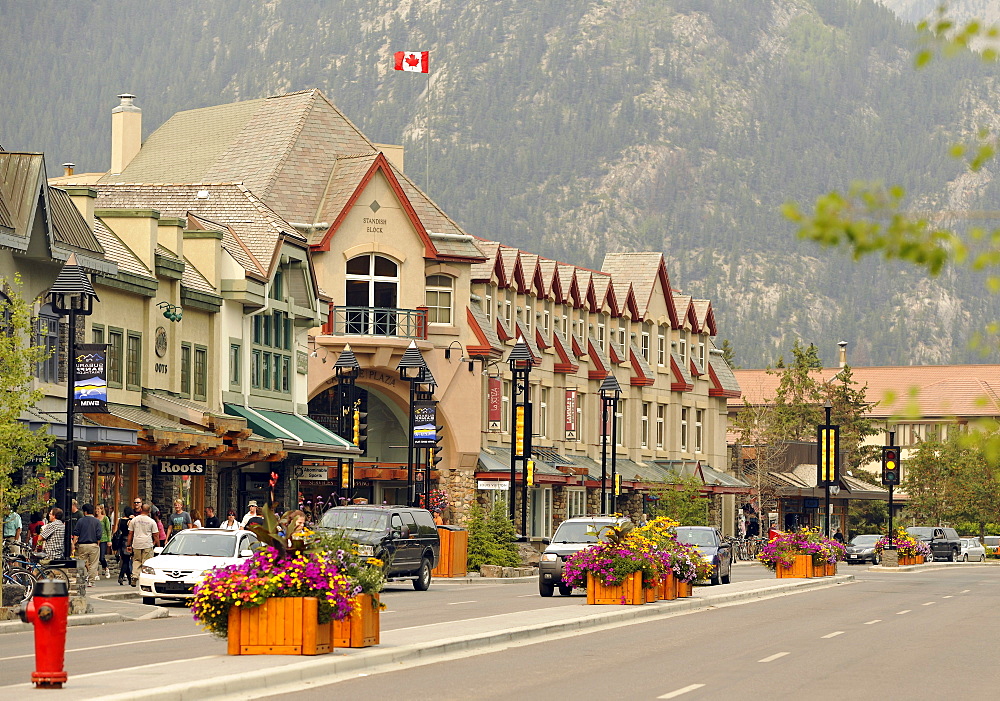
(118, 544)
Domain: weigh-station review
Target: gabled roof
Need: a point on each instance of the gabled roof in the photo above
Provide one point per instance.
(511, 268)
(21, 184)
(642, 270)
(685, 311)
(568, 284)
(116, 250)
(256, 230)
(68, 225)
(604, 293)
(547, 276)
(490, 266)
(930, 391)
(705, 315)
(529, 268)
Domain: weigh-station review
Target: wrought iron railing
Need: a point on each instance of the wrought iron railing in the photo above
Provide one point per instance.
(379, 321)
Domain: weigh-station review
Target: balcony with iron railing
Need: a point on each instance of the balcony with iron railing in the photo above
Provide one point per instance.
(386, 322)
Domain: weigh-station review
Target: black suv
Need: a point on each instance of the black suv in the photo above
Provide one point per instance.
(944, 542)
(404, 538)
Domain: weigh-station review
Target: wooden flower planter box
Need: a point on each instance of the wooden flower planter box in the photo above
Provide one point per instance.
(802, 568)
(361, 628)
(629, 592)
(685, 589)
(668, 587)
(279, 626)
(652, 594)
(454, 553)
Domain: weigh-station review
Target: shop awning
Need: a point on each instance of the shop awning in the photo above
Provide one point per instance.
(85, 433)
(300, 434)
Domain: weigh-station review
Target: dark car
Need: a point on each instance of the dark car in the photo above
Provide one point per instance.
(572, 536)
(404, 538)
(861, 549)
(710, 544)
(944, 542)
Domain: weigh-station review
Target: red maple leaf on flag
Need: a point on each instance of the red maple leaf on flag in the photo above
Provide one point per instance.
(412, 59)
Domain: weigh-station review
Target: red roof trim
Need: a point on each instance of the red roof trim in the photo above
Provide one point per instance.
(639, 379)
(565, 365)
(679, 384)
(599, 372)
(716, 389)
(484, 347)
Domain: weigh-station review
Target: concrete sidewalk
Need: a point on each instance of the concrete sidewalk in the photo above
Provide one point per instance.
(221, 676)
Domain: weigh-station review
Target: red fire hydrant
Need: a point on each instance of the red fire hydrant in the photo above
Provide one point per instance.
(47, 611)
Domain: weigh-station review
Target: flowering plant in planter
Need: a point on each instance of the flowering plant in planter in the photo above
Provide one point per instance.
(785, 547)
(905, 544)
(438, 501)
(610, 562)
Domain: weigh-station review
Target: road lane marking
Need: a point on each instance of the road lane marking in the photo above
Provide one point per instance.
(101, 647)
(900, 613)
(773, 657)
(877, 620)
(525, 596)
(964, 591)
(929, 603)
(456, 603)
(834, 634)
(946, 597)
(678, 692)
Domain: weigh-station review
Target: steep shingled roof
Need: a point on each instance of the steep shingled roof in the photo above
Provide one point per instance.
(640, 269)
(115, 249)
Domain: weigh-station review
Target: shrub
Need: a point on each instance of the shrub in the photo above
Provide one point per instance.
(491, 538)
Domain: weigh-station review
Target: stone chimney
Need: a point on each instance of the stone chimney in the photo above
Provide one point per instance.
(843, 353)
(126, 133)
(68, 169)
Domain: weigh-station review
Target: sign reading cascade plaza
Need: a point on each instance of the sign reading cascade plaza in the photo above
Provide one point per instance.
(495, 402)
(180, 467)
(90, 386)
(571, 414)
(424, 424)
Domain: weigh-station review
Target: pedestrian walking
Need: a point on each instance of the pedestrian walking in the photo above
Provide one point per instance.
(195, 518)
(179, 520)
(87, 543)
(11, 525)
(102, 516)
(52, 534)
(37, 521)
(211, 520)
(252, 515)
(230, 524)
(118, 543)
(143, 536)
(159, 526)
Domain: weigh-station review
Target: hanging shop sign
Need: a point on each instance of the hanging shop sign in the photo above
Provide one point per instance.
(311, 472)
(424, 424)
(90, 385)
(495, 404)
(571, 414)
(181, 467)
(491, 485)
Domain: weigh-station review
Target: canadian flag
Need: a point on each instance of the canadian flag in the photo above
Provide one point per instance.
(414, 61)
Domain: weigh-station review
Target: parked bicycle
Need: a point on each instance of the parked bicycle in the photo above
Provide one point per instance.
(23, 561)
(22, 579)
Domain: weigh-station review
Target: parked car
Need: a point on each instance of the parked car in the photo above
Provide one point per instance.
(992, 544)
(944, 542)
(972, 549)
(572, 536)
(862, 549)
(404, 538)
(710, 544)
(175, 568)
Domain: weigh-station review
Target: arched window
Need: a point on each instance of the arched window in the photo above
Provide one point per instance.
(438, 298)
(372, 294)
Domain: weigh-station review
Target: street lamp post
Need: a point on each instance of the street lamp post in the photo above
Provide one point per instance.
(346, 369)
(521, 361)
(828, 460)
(71, 295)
(610, 393)
(413, 369)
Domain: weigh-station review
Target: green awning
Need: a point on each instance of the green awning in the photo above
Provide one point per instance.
(290, 427)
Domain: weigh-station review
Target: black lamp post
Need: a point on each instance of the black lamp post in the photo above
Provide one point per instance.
(346, 370)
(520, 361)
(412, 369)
(610, 393)
(828, 460)
(424, 394)
(71, 295)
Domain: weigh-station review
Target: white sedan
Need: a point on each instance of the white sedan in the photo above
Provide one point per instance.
(972, 549)
(174, 570)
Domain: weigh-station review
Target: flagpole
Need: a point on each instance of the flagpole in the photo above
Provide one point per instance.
(427, 139)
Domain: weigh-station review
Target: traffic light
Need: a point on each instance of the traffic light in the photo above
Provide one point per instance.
(360, 428)
(345, 474)
(530, 467)
(618, 484)
(890, 466)
(435, 454)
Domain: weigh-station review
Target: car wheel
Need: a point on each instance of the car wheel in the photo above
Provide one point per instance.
(965, 557)
(565, 590)
(546, 588)
(149, 600)
(728, 576)
(876, 560)
(952, 556)
(717, 575)
(423, 580)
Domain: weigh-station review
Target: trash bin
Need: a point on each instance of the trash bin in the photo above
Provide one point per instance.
(454, 552)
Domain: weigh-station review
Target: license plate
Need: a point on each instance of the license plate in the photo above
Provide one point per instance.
(854, 557)
(366, 550)
(176, 587)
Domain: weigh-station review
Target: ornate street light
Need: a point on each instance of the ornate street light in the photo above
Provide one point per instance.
(71, 295)
(413, 369)
(610, 393)
(346, 370)
(521, 362)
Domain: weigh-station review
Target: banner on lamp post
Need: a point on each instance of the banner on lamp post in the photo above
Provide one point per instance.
(424, 424)
(571, 414)
(495, 395)
(90, 385)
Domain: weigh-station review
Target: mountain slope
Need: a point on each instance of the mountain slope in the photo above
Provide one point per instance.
(583, 126)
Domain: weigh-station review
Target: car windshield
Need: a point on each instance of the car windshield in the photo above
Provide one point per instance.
(864, 540)
(355, 520)
(925, 533)
(194, 543)
(578, 532)
(696, 536)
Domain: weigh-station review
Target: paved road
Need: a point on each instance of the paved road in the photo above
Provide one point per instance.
(826, 644)
(114, 646)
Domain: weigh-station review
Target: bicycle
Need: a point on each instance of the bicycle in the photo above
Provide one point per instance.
(24, 580)
(38, 569)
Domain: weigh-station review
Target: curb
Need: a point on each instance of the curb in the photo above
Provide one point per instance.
(320, 671)
(486, 580)
(84, 619)
(928, 566)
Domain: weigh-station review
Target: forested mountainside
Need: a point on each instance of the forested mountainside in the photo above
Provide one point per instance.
(916, 10)
(582, 126)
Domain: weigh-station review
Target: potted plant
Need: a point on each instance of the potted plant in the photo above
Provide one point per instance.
(910, 550)
(801, 554)
(614, 571)
(361, 627)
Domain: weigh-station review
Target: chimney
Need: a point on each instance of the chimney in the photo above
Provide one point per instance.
(68, 169)
(843, 353)
(126, 133)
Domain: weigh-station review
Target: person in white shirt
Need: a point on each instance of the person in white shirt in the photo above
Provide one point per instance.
(230, 524)
(252, 515)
